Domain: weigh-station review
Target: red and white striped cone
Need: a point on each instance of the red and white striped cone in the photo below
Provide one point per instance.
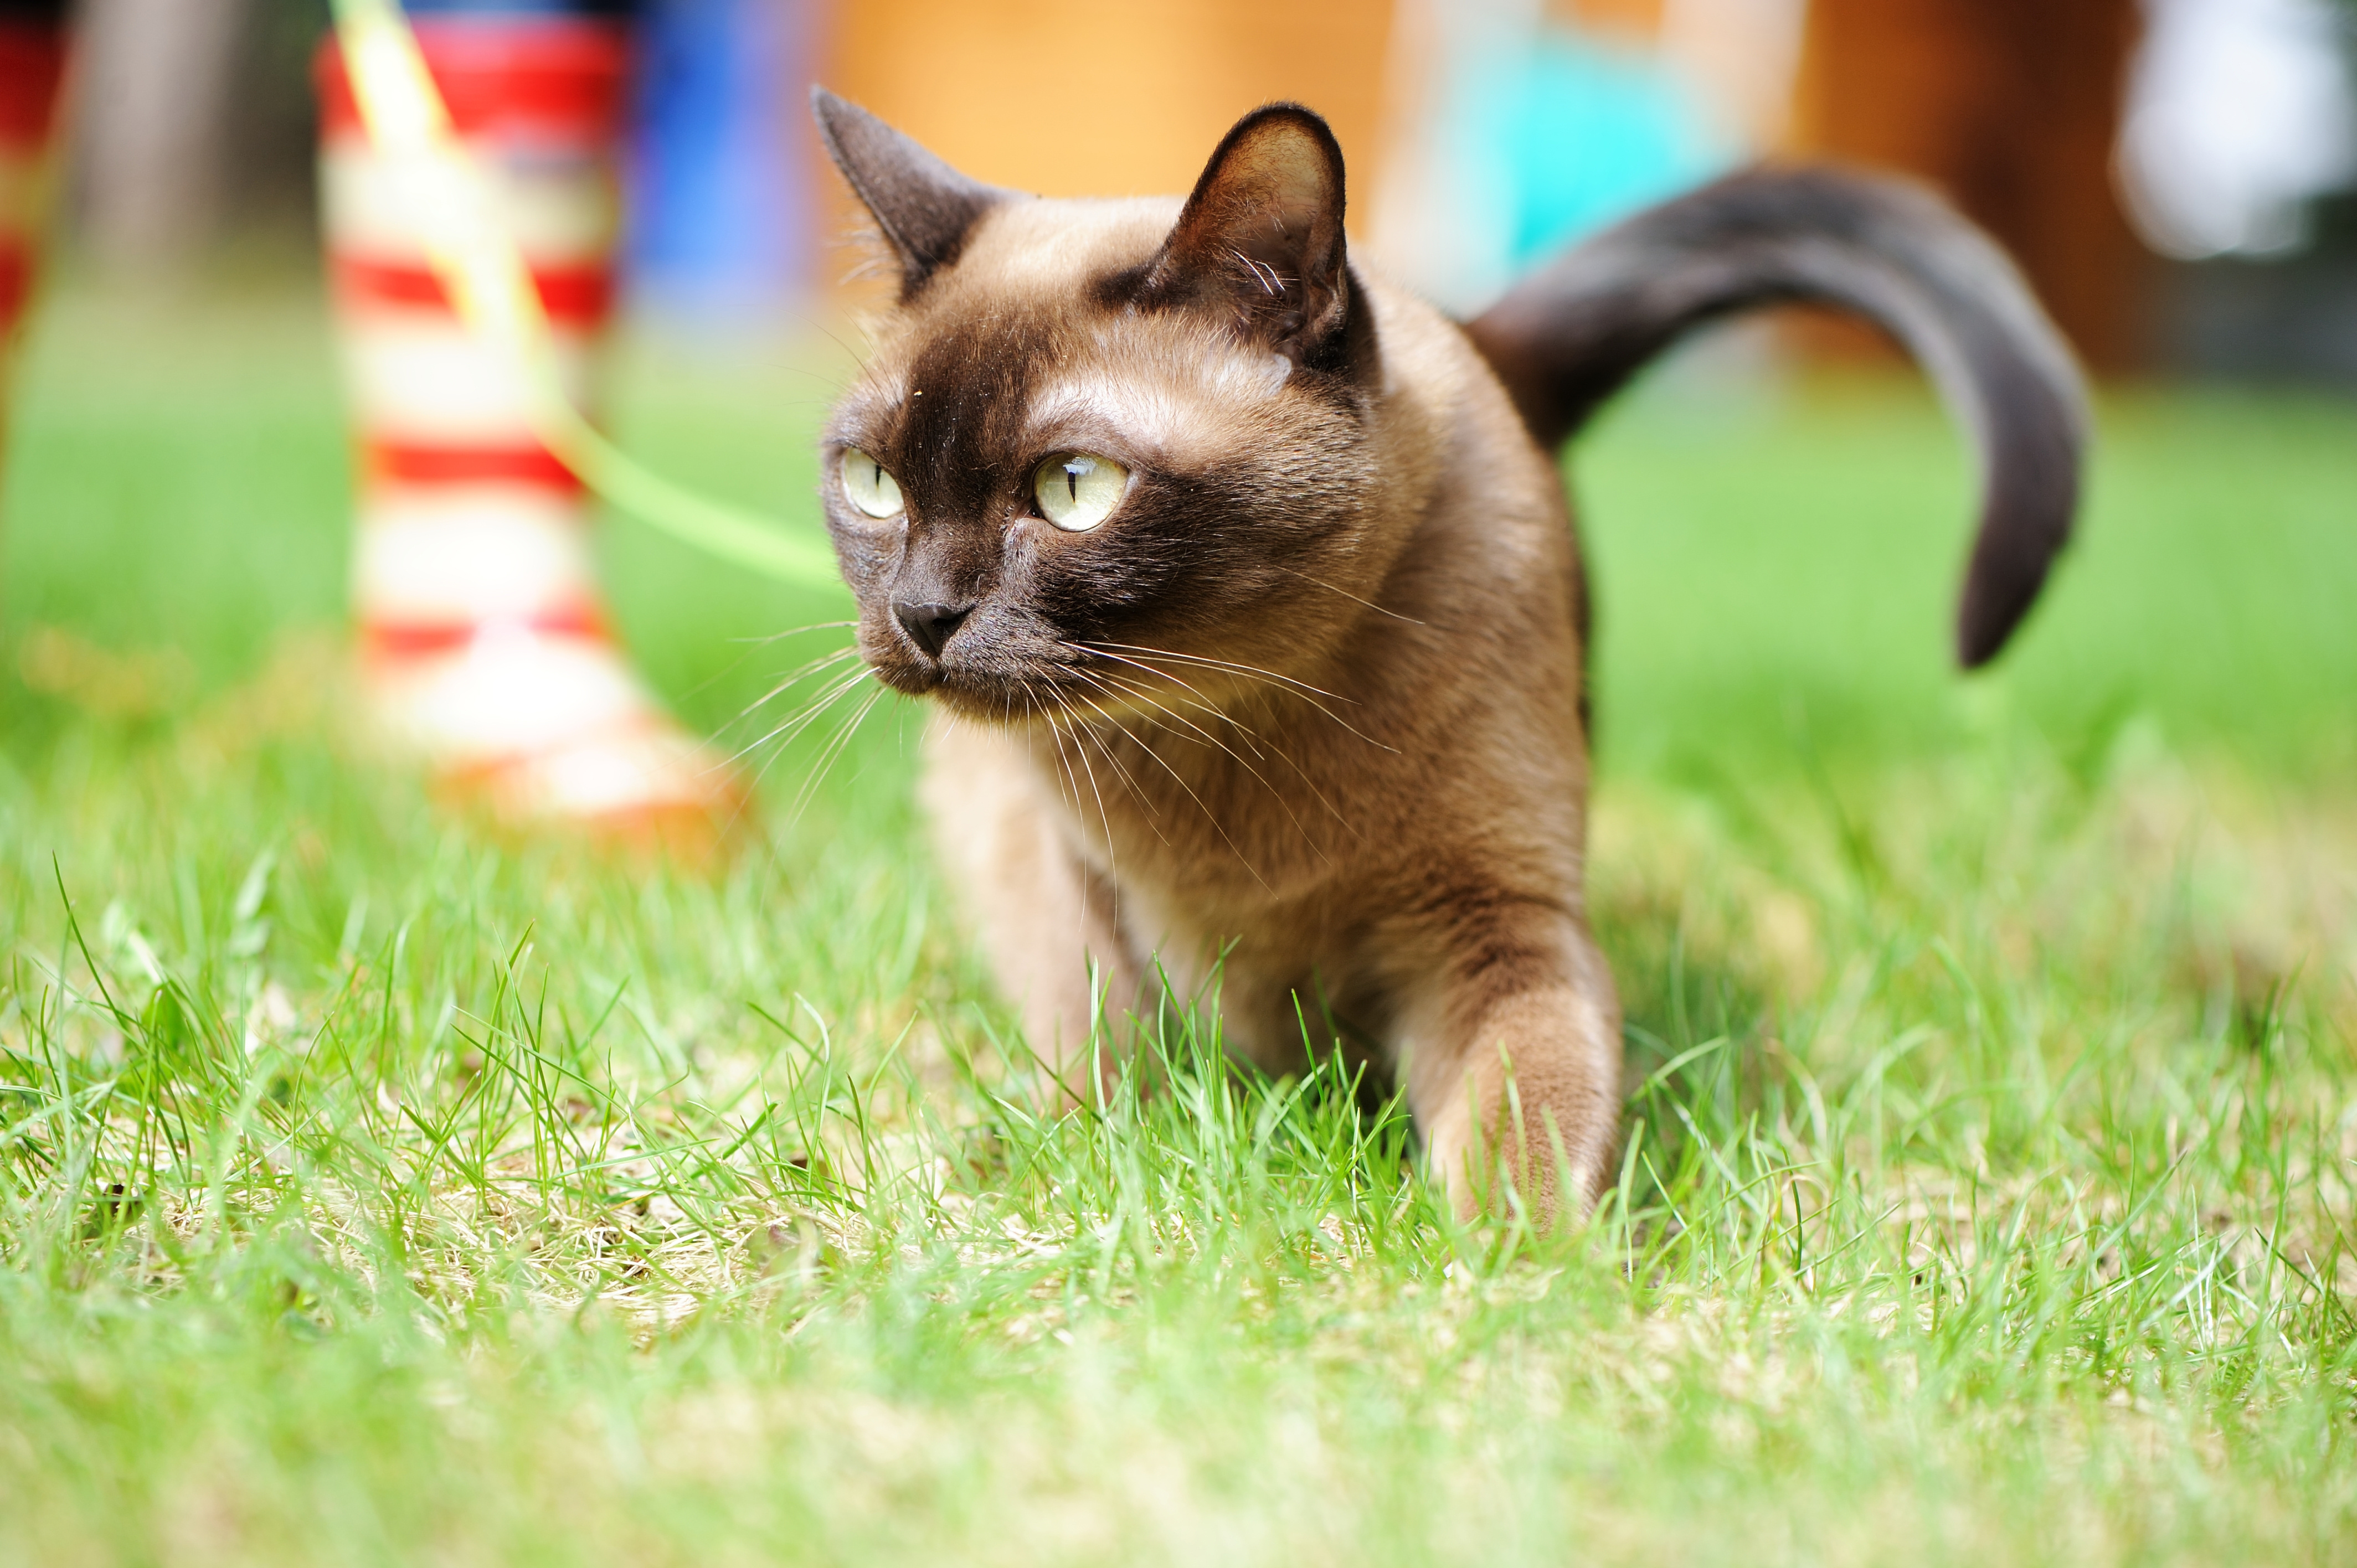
(485, 643)
(32, 64)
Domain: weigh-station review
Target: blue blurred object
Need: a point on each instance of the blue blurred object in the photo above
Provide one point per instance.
(1576, 135)
(718, 198)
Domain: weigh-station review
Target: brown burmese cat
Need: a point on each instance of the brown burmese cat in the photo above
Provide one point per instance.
(1246, 589)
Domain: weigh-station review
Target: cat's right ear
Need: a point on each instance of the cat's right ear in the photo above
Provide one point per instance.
(924, 208)
(1260, 242)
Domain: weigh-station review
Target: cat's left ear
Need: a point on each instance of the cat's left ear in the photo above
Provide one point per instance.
(924, 207)
(1261, 238)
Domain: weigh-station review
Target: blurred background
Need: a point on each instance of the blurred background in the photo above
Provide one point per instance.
(2175, 175)
(2178, 178)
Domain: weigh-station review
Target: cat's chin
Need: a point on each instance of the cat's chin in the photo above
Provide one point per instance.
(978, 696)
(1010, 704)
(1002, 702)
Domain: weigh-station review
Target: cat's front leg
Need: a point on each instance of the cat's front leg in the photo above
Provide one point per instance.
(1512, 1061)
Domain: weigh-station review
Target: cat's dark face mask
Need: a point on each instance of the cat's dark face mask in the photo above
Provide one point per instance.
(1104, 447)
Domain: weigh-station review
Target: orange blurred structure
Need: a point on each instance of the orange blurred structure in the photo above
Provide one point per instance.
(2011, 108)
(1639, 19)
(1076, 97)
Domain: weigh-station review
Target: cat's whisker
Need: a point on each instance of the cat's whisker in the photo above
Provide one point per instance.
(1129, 781)
(1287, 683)
(780, 737)
(1207, 661)
(1308, 781)
(1112, 760)
(1274, 793)
(767, 637)
(1104, 816)
(1098, 650)
(1195, 699)
(1089, 733)
(1143, 693)
(749, 646)
(1321, 583)
(1144, 696)
(801, 670)
(1200, 804)
(1072, 789)
(1057, 731)
(1065, 764)
(1280, 685)
(1242, 731)
(837, 744)
(777, 752)
(787, 683)
(784, 734)
(831, 686)
(1130, 689)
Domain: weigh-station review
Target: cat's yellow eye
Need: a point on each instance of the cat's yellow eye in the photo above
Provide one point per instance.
(1077, 492)
(867, 486)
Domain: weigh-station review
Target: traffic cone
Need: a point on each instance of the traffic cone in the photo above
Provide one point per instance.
(484, 642)
(32, 64)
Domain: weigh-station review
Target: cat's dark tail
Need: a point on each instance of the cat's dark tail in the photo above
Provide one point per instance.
(1567, 338)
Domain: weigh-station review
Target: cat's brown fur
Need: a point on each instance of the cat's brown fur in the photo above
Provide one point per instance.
(1308, 710)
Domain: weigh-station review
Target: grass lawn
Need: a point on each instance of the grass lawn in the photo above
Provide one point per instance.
(378, 1188)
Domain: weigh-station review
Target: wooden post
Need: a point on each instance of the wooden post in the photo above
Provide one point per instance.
(151, 115)
(2010, 108)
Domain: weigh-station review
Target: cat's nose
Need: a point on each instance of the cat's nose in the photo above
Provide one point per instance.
(929, 625)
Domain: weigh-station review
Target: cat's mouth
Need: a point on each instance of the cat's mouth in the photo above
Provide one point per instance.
(1016, 698)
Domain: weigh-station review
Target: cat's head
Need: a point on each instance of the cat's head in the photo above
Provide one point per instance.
(1095, 435)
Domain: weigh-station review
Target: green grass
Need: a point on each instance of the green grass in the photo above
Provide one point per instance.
(376, 1188)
